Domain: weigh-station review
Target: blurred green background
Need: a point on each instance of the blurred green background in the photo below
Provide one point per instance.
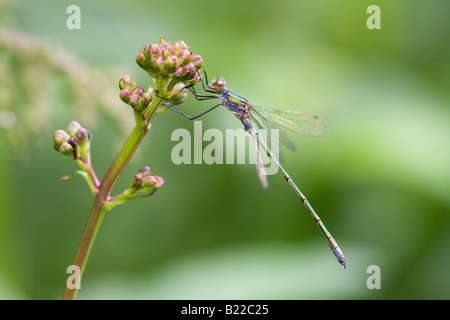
(379, 180)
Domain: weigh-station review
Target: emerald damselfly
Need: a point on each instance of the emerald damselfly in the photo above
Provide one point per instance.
(264, 117)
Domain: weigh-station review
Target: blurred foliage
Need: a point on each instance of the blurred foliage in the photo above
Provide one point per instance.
(38, 76)
(379, 179)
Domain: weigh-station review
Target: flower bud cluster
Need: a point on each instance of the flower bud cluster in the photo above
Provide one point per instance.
(61, 142)
(144, 180)
(170, 61)
(136, 97)
(144, 184)
(74, 142)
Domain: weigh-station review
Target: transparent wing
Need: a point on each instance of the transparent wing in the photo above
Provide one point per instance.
(299, 122)
(283, 137)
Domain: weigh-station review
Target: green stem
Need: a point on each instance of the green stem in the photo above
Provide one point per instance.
(87, 240)
(104, 191)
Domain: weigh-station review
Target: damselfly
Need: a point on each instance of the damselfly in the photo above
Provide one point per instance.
(296, 121)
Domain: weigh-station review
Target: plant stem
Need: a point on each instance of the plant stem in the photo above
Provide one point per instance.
(104, 192)
(87, 240)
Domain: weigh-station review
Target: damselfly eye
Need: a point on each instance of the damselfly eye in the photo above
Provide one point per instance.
(218, 84)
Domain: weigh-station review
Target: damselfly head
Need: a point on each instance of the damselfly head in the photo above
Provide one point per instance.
(218, 84)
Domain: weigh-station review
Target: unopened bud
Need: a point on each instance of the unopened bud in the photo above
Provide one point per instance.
(179, 97)
(83, 135)
(73, 127)
(154, 50)
(124, 95)
(185, 56)
(179, 72)
(196, 77)
(66, 149)
(144, 171)
(127, 82)
(159, 64)
(171, 63)
(134, 99)
(60, 142)
(145, 100)
(73, 141)
(137, 181)
(60, 137)
(197, 61)
(189, 71)
(142, 61)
